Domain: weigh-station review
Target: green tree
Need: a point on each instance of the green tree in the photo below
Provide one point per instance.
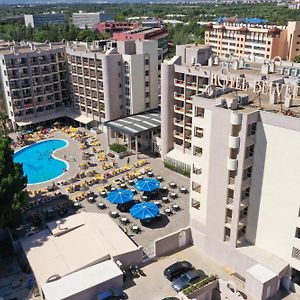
(12, 186)
(3, 122)
(297, 59)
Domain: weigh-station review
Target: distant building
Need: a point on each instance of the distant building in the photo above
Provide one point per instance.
(89, 20)
(110, 27)
(294, 5)
(44, 19)
(152, 23)
(143, 33)
(260, 40)
(12, 19)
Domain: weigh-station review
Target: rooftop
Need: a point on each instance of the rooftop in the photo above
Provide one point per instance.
(80, 281)
(78, 241)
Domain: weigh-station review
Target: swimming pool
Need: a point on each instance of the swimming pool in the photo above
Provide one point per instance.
(39, 163)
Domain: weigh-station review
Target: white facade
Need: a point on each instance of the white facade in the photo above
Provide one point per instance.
(83, 20)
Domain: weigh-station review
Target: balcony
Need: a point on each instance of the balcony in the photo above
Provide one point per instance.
(179, 96)
(244, 203)
(178, 134)
(179, 109)
(196, 204)
(179, 83)
(228, 220)
(178, 122)
(189, 111)
(246, 183)
(191, 85)
(248, 162)
(243, 221)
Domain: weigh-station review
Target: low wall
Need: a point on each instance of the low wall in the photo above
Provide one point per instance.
(204, 293)
(172, 242)
(130, 258)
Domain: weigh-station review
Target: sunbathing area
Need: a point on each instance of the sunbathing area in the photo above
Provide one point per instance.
(145, 199)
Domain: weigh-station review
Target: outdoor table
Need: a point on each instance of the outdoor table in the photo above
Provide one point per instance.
(101, 205)
(90, 199)
(114, 214)
(131, 182)
(135, 228)
(123, 185)
(173, 195)
(168, 211)
(124, 220)
(103, 194)
(77, 204)
(150, 174)
(157, 203)
(113, 189)
(145, 198)
(164, 188)
(133, 191)
(159, 178)
(165, 199)
(183, 190)
(173, 184)
(176, 207)
(140, 177)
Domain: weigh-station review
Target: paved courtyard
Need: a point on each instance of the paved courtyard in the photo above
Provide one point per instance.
(167, 224)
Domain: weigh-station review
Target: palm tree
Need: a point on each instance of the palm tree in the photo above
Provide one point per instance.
(3, 122)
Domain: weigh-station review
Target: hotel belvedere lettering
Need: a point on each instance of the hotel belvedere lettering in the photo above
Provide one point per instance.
(240, 83)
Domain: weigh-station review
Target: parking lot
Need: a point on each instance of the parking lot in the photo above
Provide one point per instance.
(154, 286)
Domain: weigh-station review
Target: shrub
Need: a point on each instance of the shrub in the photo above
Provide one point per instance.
(196, 286)
(183, 171)
(118, 148)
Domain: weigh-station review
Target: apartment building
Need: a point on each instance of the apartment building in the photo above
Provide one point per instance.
(240, 133)
(34, 82)
(83, 20)
(145, 33)
(110, 27)
(259, 40)
(44, 19)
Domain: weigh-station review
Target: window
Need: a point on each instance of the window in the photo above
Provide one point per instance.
(147, 62)
(147, 105)
(197, 151)
(196, 187)
(251, 129)
(250, 151)
(147, 94)
(198, 132)
(147, 83)
(195, 204)
(147, 73)
(297, 234)
(199, 112)
(247, 173)
(296, 253)
(196, 170)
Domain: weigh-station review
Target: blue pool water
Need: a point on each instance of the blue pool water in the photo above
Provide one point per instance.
(38, 162)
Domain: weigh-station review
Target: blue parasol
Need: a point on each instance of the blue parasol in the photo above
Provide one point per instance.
(144, 210)
(147, 184)
(120, 196)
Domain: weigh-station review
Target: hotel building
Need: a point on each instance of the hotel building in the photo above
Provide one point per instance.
(82, 19)
(240, 134)
(34, 82)
(145, 33)
(263, 41)
(44, 19)
(111, 80)
(91, 83)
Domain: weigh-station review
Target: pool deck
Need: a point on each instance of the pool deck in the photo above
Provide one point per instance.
(73, 154)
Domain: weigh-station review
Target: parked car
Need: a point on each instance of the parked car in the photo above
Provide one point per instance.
(187, 279)
(125, 207)
(174, 271)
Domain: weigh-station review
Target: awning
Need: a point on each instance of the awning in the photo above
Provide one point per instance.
(42, 118)
(136, 124)
(79, 118)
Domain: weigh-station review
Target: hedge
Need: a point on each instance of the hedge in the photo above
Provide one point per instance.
(118, 148)
(196, 286)
(185, 172)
